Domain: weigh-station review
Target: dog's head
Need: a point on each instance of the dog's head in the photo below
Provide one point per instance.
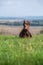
(26, 24)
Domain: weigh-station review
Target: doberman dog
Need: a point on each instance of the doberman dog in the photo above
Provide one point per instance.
(25, 33)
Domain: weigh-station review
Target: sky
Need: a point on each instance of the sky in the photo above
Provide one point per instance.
(16, 8)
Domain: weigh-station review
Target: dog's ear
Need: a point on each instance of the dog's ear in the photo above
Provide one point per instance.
(23, 22)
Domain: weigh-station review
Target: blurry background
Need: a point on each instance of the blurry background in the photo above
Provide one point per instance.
(15, 8)
(13, 12)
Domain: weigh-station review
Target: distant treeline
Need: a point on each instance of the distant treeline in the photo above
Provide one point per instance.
(33, 23)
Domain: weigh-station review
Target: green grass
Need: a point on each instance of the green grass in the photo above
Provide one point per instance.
(19, 51)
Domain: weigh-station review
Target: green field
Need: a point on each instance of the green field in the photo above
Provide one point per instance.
(19, 51)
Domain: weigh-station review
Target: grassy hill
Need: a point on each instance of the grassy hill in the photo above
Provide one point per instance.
(19, 51)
